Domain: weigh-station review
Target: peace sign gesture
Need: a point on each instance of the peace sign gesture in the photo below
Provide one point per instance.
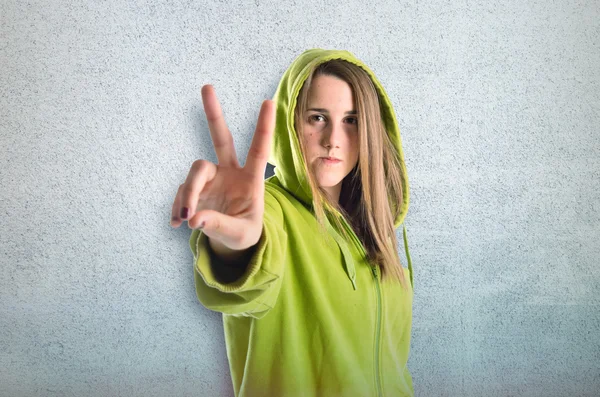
(225, 199)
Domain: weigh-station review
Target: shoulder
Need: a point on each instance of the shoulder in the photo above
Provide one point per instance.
(276, 200)
(275, 194)
(282, 203)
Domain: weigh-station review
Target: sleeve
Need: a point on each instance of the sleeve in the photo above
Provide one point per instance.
(250, 291)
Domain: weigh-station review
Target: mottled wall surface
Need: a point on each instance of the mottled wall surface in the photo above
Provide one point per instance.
(101, 118)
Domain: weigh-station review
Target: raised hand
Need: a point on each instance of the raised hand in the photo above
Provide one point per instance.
(225, 199)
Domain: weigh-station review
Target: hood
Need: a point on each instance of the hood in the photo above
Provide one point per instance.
(285, 152)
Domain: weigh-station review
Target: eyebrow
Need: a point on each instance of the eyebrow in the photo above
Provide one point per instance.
(327, 111)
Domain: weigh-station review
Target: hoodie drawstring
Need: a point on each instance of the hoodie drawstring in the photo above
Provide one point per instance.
(348, 260)
(410, 270)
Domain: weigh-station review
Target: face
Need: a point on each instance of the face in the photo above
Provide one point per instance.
(330, 132)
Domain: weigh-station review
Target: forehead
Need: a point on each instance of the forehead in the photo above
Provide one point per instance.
(330, 92)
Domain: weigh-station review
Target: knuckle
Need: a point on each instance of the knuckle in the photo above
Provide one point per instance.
(224, 142)
(186, 191)
(199, 164)
(257, 153)
(239, 239)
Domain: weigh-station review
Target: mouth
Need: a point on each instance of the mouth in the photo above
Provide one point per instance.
(330, 160)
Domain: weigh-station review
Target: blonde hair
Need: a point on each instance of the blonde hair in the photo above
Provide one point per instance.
(371, 193)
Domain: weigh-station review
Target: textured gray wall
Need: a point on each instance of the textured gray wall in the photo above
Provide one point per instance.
(101, 118)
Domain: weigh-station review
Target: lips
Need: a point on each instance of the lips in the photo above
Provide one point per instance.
(330, 158)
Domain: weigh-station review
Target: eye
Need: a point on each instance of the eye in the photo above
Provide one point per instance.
(315, 117)
(353, 120)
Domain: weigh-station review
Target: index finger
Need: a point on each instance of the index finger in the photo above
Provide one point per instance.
(260, 149)
(220, 134)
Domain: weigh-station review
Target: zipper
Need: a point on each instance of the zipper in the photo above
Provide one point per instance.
(378, 288)
(377, 377)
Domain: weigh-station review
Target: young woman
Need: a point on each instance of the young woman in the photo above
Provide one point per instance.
(304, 265)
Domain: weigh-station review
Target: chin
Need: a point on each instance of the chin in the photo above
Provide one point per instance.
(328, 182)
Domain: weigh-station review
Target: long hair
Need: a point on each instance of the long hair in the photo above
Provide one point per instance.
(371, 193)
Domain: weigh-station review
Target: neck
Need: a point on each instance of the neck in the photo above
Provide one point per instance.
(334, 192)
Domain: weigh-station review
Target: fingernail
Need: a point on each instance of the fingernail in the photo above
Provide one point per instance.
(184, 212)
(202, 225)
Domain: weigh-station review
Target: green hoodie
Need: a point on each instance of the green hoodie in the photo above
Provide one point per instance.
(309, 315)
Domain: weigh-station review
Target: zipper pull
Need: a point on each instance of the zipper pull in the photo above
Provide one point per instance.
(374, 269)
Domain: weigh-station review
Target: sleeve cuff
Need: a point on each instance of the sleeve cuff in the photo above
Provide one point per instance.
(219, 275)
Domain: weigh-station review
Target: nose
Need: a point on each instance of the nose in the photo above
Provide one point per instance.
(333, 136)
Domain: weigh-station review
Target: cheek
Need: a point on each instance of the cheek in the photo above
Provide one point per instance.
(311, 138)
(355, 144)
(310, 143)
